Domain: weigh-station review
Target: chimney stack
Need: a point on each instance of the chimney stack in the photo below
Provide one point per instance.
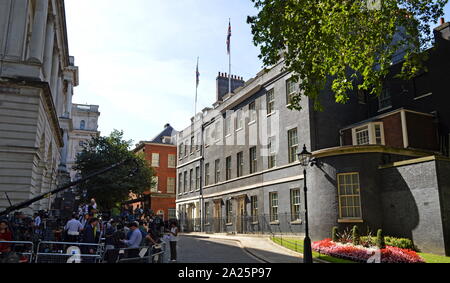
(222, 84)
(442, 32)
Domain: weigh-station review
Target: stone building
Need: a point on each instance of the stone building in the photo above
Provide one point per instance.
(380, 162)
(161, 153)
(37, 77)
(85, 127)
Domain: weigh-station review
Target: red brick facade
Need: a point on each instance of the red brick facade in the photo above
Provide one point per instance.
(163, 200)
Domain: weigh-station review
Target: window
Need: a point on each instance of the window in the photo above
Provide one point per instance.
(295, 204)
(192, 144)
(185, 149)
(254, 208)
(273, 199)
(155, 159)
(207, 213)
(240, 164)
(372, 133)
(206, 174)
(253, 160)
(272, 155)
(172, 162)
(207, 132)
(82, 125)
(292, 145)
(197, 178)
(270, 100)
(155, 185)
(229, 207)
(191, 179)
(185, 182)
(349, 196)
(227, 125)
(378, 134)
(170, 185)
(384, 99)
(217, 131)
(291, 90)
(362, 135)
(180, 151)
(252, 111)
(197, 146)
(172, 213)
(180, 183)
(81, 143)
(217, 171)
(239, 120)
(228, 168)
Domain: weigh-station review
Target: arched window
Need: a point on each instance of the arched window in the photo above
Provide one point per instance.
(82, 124)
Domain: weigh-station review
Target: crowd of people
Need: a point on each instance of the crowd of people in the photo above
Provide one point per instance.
(132, 229)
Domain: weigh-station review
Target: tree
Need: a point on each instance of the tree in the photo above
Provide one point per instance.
(350, 42)
(115, 186)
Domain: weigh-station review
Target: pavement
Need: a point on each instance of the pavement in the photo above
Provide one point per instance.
(259, 247)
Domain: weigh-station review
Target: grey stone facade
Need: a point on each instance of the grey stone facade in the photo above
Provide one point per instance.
(379, 183)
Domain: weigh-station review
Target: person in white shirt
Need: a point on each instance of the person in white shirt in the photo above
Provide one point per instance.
(173, 239)
(73, 229)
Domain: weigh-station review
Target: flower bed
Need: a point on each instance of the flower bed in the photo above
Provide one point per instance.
(363, 254)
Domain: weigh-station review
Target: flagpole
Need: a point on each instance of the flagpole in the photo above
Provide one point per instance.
(196, 90)
(229, 62)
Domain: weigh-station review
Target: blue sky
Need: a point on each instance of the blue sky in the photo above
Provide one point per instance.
(137, 58)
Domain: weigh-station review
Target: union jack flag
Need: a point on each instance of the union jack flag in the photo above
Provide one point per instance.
(197, 75)
(229, 38)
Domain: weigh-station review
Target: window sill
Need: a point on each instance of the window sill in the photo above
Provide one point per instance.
(297, 222)
(350, 220)
(207, 224)
(252, 122)
(240, 129)
(275, 222)
(227, 136)
(255, 223)
(423, 95)
(229, 224)
(270, 114)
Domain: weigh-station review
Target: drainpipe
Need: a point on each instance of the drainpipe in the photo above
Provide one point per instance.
(404, 129)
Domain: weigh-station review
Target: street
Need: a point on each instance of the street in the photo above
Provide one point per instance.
(205, 250)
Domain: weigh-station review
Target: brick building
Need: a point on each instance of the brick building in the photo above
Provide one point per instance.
(161, 154)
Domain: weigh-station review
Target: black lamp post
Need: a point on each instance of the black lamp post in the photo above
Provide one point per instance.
(305, 159)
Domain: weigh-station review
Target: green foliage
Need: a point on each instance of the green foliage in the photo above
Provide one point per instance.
(402, 243)
(380, 239)
(115, 186)
(346, 236)
(356, 237)
(334, 234)
(348, 41)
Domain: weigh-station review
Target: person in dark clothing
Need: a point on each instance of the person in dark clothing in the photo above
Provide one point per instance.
(89, 236)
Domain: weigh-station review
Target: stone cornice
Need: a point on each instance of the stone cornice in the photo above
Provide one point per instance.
(352, 149)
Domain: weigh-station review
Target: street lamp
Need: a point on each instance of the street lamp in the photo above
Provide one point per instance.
(305, 159)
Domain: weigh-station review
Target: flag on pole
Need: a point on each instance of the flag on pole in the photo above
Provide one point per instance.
(197, 75)
(229, 38)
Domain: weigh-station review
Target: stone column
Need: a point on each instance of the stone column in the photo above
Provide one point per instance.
(55, 74)
(69, 99)
(64, 152)
(38, 33)
(49, 43)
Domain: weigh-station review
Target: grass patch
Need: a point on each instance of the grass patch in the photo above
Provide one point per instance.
(297, 245)
(433, 258)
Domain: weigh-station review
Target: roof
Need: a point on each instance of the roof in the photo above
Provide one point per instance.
(167, 132)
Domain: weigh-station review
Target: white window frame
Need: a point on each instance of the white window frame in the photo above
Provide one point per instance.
(171, 185)
(155, 187)
(372, 135)
(172, 161)
(155, 160)
(252, 114)
(239, 120)
(270, 104)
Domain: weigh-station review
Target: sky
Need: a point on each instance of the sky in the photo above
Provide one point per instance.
(137, 58)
